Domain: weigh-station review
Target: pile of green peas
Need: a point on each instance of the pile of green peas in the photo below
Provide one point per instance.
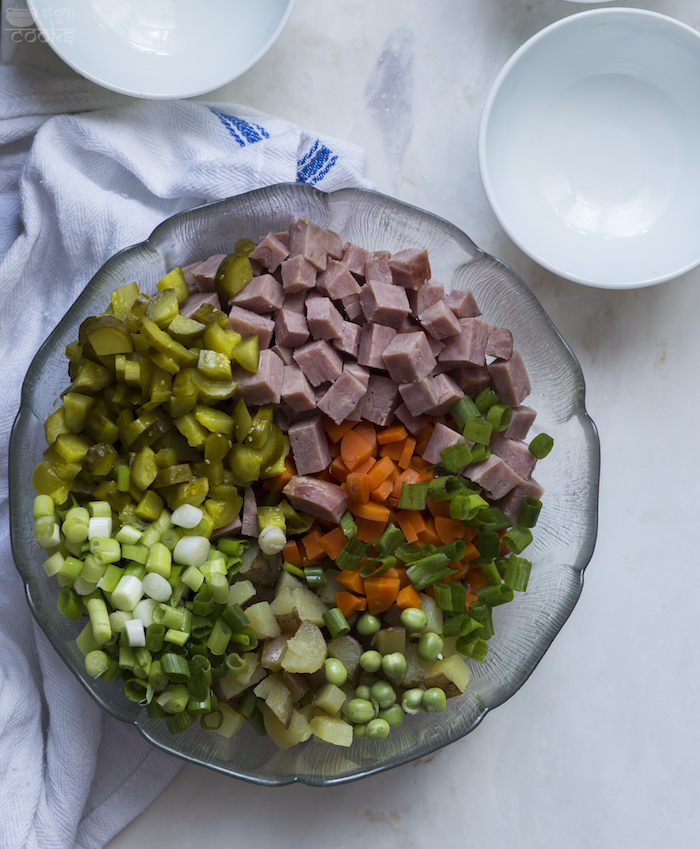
(376, 709)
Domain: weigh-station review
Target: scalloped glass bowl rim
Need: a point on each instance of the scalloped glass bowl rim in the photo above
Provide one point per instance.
(296, 199)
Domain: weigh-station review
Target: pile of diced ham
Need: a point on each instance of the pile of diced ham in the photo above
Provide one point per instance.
(354, 334)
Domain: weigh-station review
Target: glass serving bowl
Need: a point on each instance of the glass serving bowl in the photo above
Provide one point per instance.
(564, 537)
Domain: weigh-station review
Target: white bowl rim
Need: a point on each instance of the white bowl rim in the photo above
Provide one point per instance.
(482, 156)
(132, 92)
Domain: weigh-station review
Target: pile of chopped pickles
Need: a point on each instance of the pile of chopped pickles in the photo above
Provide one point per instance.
(138, 502)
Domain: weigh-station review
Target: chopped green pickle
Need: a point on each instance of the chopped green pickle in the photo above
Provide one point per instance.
(167, 487)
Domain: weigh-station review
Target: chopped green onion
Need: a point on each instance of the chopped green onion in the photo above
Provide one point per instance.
(389, 541)
(456, 456)
(517, 573)
(488, 544)
(352, 553)
(449, 596)
(475, 648)
(236, 618)
(348, 525)
(220, 636)
(315, 576)
(477, 430)
(492, 519)
(464, 409)
(486, 399)
(482, 613)
(480, 453)
(498, 417)
(494, 595)
(69, 604)
(490, 571)
(413, 496)
(175, 666)
(336, 623)
(541, 445)
(529, 512)
(292, 569)
(517, 539)
(428, 570)
(203, 602)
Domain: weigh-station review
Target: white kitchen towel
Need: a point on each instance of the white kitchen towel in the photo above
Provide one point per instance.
(83, 174)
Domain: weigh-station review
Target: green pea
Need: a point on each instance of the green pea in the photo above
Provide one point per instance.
(394, 715)
(377, 729)
(371, 661)
(362, 691)
(414, 619)
(367, 625)
(360, 710)
(360, 730)
(394, 665)
(430, 646)
(434, 700)
(383, 694)
(412, 701)
(336, 673)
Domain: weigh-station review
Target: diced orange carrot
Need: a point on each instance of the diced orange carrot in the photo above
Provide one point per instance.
(403, 575)
(349, 603)
(372, 511)
(312, 546)
(393, 433)
(409, 446)
(392, 450)
(365, 467)
(382, 492)
(381, 592)
(423, 438)
(405, 521)
(406, 476)
(357, 487)
(379, 472)
(336, 432)
(418, 463)
(351, 580)
(472, 552)
(470, 597)
(338, 469)
(278, 483)
(418, 520)
(368, 531)
(428, 536)
(354, 449)
(449, 529)
(368, 432)
(408, 597)
(470, 533)
(333, 542)
(292, 554)
(476, 578)
(438, 508)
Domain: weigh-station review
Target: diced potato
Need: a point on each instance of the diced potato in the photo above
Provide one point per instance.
(329, 698)
(261, 569)
(415, 668)
(233, 685)
(296, 684)
(306, 650)
(240, 592)
(309, 606)
(332, 729)
(298, 731)
(433, 612)
(348, 651)
(262, 620)
(277, 697)
(450, 674)
(389, 640)
(232, 721)
(272, 651)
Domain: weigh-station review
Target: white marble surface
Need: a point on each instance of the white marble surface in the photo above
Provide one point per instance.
(600, 747)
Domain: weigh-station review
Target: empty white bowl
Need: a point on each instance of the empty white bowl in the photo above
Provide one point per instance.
(588, 148)
(162, 48)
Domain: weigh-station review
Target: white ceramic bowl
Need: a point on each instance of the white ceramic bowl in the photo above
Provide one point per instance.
(161, 48)
(588, 148)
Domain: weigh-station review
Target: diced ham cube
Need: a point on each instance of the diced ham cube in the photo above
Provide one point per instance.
(291, 328)
(500, 343)
(249, 515)
(413, 424)
(321, 499)
(353, 308)
(262, 294)
(295, 301)
(195, 301)
(204, 273)
(377, 269)
(521, 420)
(510, 380)
(354, 258)
(471, 379)
(494, 476)
(349, 341)
(374, 339)
(230, 529)
(309, 446)
(249, 323)
(515, 453)
(439, 321)
(297, 392)
(344, 394)
(284, 353)
(324, 320)
(265, 386)
(384, 303)
(408, 357)
(361, 373)
(319, 361)
(336, 281)
(270, 252)
(442, 437)
(298, 275)
(425, 296)
(420, 397)
(463, 303)
(469, 346)
(450, 393)
(410, 268)
(381, 400)
(513, 501)
(309, 241)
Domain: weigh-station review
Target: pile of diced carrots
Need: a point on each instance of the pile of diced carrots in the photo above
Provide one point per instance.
(371, 464)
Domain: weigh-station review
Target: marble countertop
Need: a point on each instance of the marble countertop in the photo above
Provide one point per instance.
(600, 747)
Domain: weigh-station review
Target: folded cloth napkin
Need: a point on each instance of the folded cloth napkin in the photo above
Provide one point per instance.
(83, 174)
